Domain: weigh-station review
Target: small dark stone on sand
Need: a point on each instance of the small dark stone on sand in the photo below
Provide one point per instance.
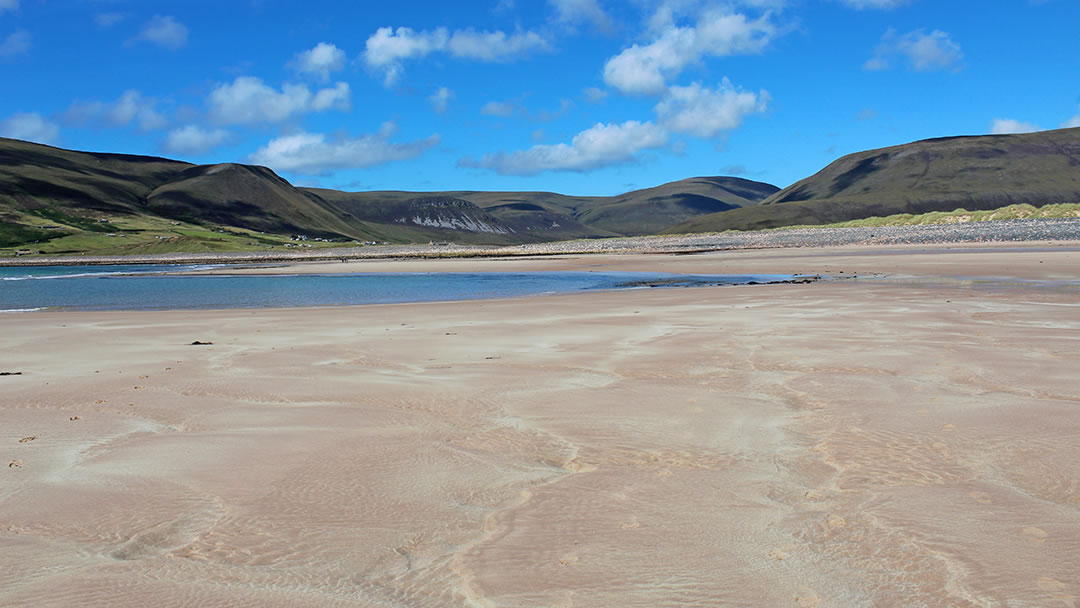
(10, 373)
(199, 343)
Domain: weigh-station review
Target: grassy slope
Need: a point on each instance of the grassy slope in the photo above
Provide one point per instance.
(53, 200)
(974, 173)
(250, 197)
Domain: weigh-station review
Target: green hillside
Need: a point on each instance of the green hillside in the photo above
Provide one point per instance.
(62, 201)
(973, 173)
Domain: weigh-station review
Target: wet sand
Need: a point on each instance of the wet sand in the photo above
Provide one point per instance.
(912, 440)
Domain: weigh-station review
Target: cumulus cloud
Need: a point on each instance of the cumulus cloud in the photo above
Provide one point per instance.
(923, 51)
(1003, 126)
(319, 61)
(248, 100)
(130, 107)
(387, 49)
(16, 43)
(581, 11)
(194, 140)
(164, 31)
(704, 112)
(718, 32)
(315, 154)
(602, 145)
(30, 126)
(440, 99)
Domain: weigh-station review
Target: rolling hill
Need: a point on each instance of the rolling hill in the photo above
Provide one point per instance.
(974, 173)
(63, 201)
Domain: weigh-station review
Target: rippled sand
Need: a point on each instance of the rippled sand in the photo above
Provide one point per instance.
(908, 441)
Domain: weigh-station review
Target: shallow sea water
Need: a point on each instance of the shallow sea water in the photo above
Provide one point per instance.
(167, 288)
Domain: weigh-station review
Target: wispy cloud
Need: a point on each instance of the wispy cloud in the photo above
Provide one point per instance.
(108, 19)
(30, 126)
(602, 145)
(317, 154)
(1072, 122)
(875, 4)
(192, 139)
(1003, 126)
(922, 51)
(130, 107)
(440, 100)
(387, 49)
(16, 43)
(165, 31)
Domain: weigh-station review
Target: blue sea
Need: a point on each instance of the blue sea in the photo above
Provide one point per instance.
(144, 287)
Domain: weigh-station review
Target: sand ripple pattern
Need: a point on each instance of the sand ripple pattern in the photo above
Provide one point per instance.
(835, 444)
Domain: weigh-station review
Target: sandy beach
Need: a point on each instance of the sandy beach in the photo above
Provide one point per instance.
(910, 437)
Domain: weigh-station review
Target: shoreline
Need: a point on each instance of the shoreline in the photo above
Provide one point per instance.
(1037, 231)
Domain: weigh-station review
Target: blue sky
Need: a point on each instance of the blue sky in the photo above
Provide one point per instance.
(589, 97)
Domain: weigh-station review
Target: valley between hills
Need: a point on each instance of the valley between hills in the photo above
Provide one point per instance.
(61, 202)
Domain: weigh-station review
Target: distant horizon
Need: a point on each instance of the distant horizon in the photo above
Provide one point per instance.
(580, 97)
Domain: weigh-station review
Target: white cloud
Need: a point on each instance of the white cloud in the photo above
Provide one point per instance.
(882, 4)
(440, 99)
(165, 31)
(493, 46)
(581, 11)
(30, 127)
(129, 107)
(9, 5)
(194, 140)
(387, 49)
(602, 145)
(595, 94)
(644, 69)
(320, 61)
(1003, 126)
(314, 154)
(16, 43)
(924, 52)
(565, 107)
(704, 112)
(249, 100)
(499, 108)
(336, 98)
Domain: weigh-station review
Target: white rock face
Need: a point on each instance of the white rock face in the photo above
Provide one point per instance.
(457, 222)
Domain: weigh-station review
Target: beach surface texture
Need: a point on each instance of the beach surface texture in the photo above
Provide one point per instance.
(910, 437)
